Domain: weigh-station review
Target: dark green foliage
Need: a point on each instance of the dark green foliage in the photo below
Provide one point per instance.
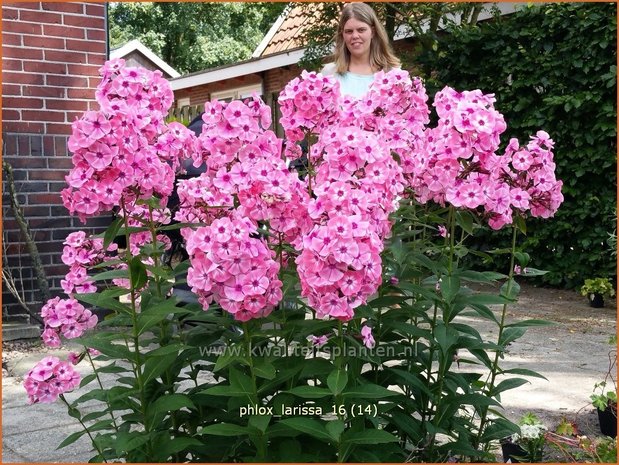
(552, 67)
(195, 35)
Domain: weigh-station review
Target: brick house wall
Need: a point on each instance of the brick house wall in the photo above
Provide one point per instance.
(199, 94)
(51, 53)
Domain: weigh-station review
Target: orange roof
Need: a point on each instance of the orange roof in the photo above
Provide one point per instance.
(289, 34)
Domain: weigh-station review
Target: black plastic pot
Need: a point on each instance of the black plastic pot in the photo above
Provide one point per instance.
(512, 452)
(596, 300)
(608, 421)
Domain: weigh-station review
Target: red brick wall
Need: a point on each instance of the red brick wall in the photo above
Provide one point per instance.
(51, 53)
(200, 94)
(276, 79)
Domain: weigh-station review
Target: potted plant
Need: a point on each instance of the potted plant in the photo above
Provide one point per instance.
(605, 399)
(595, 290)
(528, 445)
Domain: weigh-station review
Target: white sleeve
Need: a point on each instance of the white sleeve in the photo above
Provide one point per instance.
(328, 69)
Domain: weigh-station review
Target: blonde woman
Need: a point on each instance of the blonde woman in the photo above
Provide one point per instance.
(362, 48)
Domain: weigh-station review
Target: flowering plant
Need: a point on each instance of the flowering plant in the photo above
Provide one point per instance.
(314, 296)
(532, 438)
(603, 398)
(601, 286)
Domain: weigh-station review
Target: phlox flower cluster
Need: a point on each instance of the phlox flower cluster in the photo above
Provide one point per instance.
(65, 317)
(357, 183)
(125, 151)
(356, 187)
(244, 169)
(79, 253)
(311, 103)
(395, 106)
(50, 378)
(532, 179)
(456, 162)
(236, 269)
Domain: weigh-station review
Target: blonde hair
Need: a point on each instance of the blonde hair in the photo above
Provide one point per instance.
(381, 52)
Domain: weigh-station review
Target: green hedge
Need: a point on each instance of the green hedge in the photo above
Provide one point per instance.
(552, 67)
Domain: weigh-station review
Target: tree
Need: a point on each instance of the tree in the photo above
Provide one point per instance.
(421, 20)
(194, 36)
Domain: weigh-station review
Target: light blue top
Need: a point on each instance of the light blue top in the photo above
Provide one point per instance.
(355, 85)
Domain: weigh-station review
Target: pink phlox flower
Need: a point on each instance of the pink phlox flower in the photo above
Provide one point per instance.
(50, 378)
(318, 341)
(368, 338)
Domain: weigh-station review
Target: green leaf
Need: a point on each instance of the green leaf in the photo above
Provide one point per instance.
(99, 300)
(508, 384)
(337, 381)
(112, 274)
(510, 289)
(368, 391)
(225, 429)
(155, 366)
(137, 273)
(111, 232)
(446, 337)
(154, 314)
(175, 445)
(87, 379)
(450, 285)
(227, 358)
(335, 428)
(240, 381)
(71, 439)
(477, 400)
(481, 277)
(522, 258)
(521, 224)
(465, 220)
(94, 415)
(112, 369)
(260, 422)
(373, 436)
(165, 350)
(126, 442)
(499, 429)
(524, 372)
(265, 369)
(411, 380)
(533, 272)
(309, 426)
(528, 323)
(309, 392)
(171, 403)
(510, 335)
(388, 301)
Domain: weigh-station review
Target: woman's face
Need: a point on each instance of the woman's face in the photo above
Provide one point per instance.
(357, 37)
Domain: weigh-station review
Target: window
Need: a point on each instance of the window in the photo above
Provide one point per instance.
(238, 93)
(182, 102)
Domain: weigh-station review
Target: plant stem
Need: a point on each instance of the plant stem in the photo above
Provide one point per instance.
(497, 355)
(134, 321)
(261, 444)
(95, 445)
(92, 363)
